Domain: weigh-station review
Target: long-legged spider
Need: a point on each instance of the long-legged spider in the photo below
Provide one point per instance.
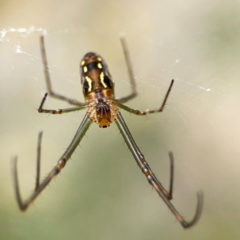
(102, 108)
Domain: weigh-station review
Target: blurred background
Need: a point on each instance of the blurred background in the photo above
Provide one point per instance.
(102, 194)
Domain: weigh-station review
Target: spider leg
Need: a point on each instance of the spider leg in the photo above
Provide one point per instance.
(152, 179)
(133, 93)
(59, 111)
(48, 81)
(171, 176)
(38, 160)
(40, 186)
(137, 112)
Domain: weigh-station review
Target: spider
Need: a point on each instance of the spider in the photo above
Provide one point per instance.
(103, 109)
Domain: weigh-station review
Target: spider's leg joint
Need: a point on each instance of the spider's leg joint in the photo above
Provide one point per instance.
(62, 163)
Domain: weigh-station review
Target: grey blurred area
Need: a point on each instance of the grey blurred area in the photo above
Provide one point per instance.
(101, 193)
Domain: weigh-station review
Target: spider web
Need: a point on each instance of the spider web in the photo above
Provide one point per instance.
(199, 124)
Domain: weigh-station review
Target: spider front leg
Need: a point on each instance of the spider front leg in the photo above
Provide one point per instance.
(152, 179)
(137, 112)
(48, 81)
(40, 186)
(59, 111)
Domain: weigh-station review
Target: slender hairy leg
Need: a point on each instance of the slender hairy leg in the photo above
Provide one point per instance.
(169, 197)
(48, 81)
(59, 111)
(61, 163)
(152, 179)
(136, 153)
(38, 160)
(137, 112)
(133, 93)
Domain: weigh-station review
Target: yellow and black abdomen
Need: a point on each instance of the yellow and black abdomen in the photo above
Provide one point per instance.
(95, 75)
